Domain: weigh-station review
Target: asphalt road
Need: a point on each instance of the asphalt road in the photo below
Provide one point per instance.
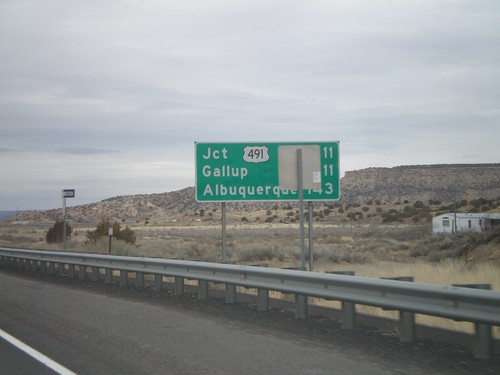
(96, 330)
(15, 361)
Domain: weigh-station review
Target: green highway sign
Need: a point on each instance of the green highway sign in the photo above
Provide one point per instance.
(235, 172)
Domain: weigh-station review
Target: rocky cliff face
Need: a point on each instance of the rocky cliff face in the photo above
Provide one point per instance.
(389, 185)
(437, 182)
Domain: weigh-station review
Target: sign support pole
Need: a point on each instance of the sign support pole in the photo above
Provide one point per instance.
(310, 227)
(64, 221)
(223, 209)
(110, 235)
(301, 210)
(66, 193)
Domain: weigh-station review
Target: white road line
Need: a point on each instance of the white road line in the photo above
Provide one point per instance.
(36, 354)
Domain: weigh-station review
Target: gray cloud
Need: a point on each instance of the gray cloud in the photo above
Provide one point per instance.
(83, 151)
(107, 92)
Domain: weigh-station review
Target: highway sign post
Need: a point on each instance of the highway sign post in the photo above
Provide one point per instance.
(66, 193)
(235, 172)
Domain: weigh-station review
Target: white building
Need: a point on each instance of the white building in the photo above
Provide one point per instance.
(445, 223)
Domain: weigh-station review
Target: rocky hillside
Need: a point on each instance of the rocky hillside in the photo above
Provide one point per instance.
(381, 185)
(422, 182)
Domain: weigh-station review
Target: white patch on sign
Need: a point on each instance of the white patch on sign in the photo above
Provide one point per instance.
(317, 177)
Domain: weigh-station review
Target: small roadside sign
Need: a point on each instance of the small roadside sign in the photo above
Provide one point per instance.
(68, 193)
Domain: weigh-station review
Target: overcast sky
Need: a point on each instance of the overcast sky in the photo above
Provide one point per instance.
(108, 97)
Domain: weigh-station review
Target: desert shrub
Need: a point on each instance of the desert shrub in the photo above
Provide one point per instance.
(101, 245)
(438, 256)
(392, 216)
(17, 239)
(420, 251)
(196, 251)
(126, 234)
(419, 204)
(346, 256)
(250, 254)
(56, 233)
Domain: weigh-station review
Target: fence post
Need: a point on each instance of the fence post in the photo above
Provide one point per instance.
(483, 341)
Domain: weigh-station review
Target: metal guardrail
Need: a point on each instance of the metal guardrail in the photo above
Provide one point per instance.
(482, 307)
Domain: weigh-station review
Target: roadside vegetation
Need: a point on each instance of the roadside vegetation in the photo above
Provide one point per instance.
(372, 239)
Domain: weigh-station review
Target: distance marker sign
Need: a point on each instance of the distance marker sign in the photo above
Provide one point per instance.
(235, 172)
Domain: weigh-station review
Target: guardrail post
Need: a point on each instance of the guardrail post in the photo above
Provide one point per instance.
(179, 286)
(82, 272)
(51, 269)
(158, 283)
(483, 342)
(262, 299)
(94, 276)
(71, 270)
(406, 318)
(108, 276)
(34, 265)
(43, 266)
(348, 317)
(300, 300)
(202, 290)
(230, 288)
(123, 278)
(139, 279)
(262, 294)
(60, 268)
(230, 293)
(300, 306)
